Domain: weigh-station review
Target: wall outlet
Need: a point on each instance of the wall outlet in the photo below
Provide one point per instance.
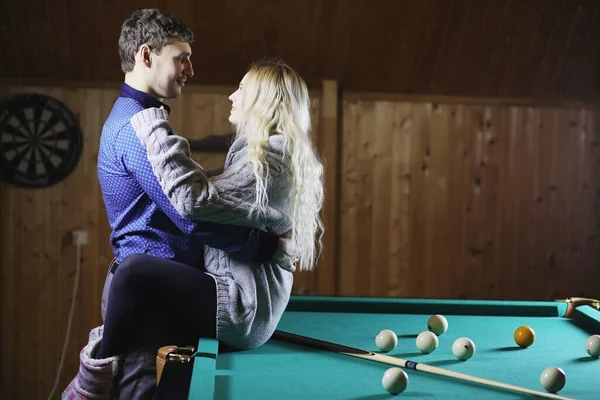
(80, 238)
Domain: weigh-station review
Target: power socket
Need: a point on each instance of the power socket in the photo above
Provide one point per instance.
(80, 238)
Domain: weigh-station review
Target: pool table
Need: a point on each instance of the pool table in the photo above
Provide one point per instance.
(281, 370)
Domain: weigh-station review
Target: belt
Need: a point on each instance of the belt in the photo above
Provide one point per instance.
(113, 266)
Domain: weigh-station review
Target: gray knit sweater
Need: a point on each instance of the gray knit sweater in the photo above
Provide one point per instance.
(251, 297)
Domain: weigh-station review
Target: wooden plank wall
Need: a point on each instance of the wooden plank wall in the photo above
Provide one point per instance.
(468, 201)
(526, 48)
(38, 260)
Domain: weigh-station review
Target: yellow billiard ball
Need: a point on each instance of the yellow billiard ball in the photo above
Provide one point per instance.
(524, 336)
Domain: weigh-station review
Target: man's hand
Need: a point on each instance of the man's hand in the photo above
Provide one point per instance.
(286, 254)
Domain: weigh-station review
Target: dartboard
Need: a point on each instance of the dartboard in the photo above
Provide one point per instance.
(40, 140)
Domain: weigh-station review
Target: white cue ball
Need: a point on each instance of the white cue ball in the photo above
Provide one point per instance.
(592, 346)
(386, 340)
(427, 342)
(394, 380)
(553, 379)
(463, 348)
(437, 324)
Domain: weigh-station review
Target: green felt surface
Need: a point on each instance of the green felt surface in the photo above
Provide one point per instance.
(284, 371)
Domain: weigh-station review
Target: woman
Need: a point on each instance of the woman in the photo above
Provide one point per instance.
(272, 180)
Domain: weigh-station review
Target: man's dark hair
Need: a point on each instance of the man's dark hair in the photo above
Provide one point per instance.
(152, 27)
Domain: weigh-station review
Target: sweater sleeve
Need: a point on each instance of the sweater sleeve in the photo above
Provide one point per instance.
(226, 198)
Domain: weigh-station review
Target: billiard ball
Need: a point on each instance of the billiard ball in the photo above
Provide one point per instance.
(386, 340)
(592, 346)
(553, 379)
(524, 336)
(427, 342)
(394, 380)
(437, 324)
(463, 348)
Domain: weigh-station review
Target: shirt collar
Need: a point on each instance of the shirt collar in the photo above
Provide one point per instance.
(145, 99)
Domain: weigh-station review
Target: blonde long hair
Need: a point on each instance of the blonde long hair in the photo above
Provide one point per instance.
(276, 101)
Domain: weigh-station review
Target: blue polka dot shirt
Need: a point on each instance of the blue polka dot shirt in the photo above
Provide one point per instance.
(140, 215)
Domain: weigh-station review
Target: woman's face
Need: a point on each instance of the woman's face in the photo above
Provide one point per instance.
(237, 103)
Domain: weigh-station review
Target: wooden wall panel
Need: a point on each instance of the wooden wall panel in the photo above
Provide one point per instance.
(468, 201)
(349, 208)
(40, 265)
(38, 260)
(526, 48)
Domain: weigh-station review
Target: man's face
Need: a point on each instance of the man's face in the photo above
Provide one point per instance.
(170, 69)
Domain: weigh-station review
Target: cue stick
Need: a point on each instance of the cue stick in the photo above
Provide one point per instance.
(385, 359)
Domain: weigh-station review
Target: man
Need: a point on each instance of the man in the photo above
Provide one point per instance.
(155, 56)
